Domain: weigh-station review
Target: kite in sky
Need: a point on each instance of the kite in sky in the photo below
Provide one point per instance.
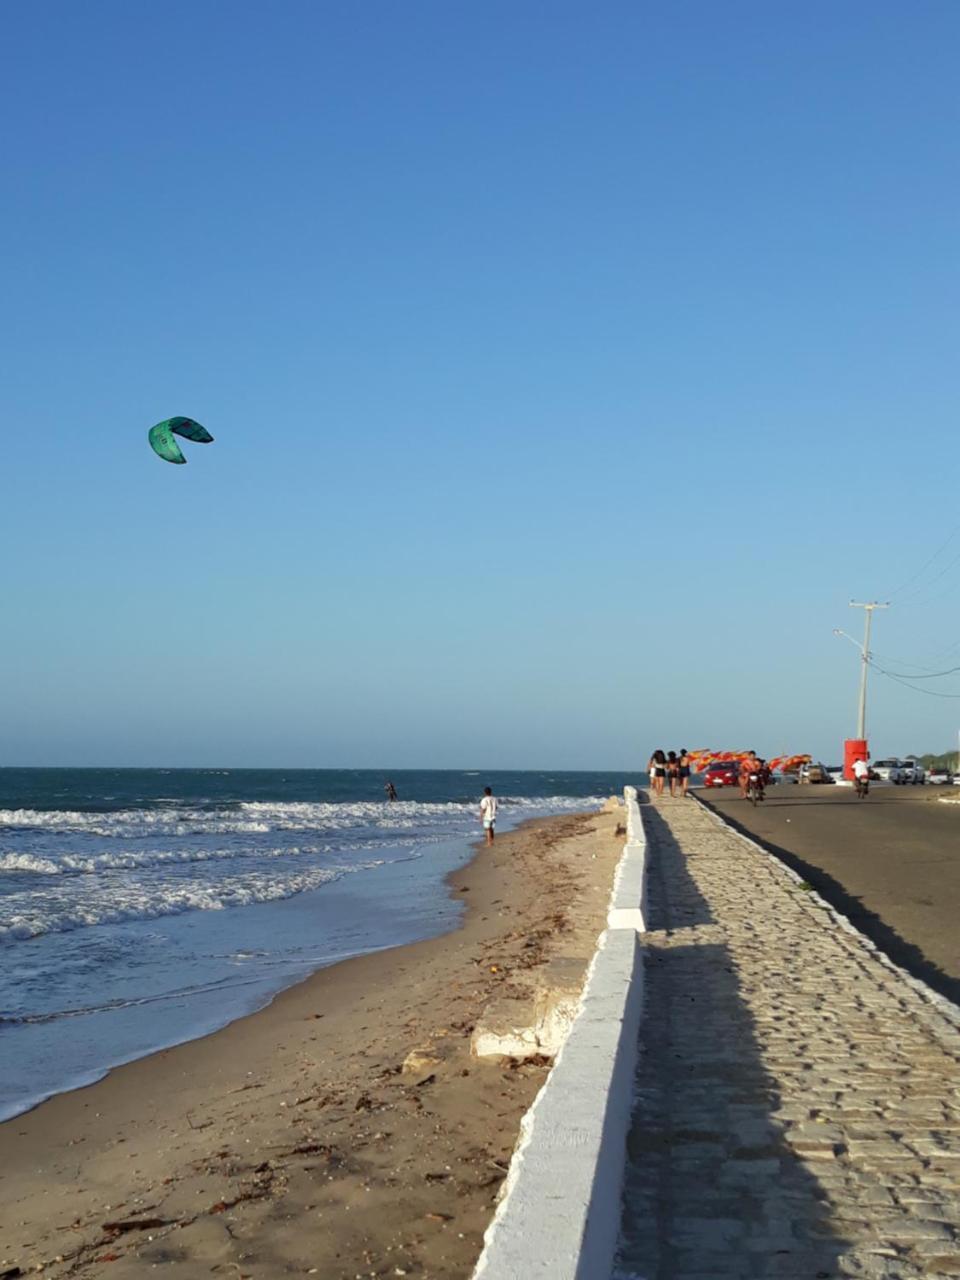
(163, 443)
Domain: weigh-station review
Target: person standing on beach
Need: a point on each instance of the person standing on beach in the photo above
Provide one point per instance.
(488, 813)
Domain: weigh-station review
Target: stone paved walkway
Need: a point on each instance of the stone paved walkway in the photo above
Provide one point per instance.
(798, 1100)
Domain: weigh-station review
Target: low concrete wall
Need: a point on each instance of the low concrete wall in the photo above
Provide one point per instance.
(560, 1212)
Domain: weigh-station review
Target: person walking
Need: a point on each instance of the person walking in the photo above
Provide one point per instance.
(657, 768)
(684, 772)
(488, 813)
(673, 772)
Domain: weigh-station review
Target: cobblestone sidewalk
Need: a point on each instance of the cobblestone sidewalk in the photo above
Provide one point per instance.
(798, 1099)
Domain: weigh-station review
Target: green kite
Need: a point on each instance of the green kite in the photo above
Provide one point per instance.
(162, 441)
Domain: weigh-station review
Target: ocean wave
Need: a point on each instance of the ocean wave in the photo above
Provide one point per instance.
(144, 860)
(142, 902)
(262, 817)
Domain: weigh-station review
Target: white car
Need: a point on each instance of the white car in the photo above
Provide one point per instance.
(886, 770)
(912, 774)
(938, 777)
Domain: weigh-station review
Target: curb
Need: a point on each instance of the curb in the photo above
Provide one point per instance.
(949, 1011)
(559, 1215)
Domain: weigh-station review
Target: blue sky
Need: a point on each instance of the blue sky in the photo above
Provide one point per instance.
(570, 366)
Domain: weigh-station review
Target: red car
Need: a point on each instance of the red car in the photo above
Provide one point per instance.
(722, 773)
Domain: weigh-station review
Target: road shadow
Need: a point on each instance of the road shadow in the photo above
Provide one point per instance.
(903, 953)
(712, 1188)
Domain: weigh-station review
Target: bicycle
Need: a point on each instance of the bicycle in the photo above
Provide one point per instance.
(863, 787)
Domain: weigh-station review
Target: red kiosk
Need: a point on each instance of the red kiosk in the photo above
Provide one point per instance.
(853, 749)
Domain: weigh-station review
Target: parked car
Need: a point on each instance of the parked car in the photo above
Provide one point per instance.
(911, 773)
(722, 773)
(938, 777)
(814, 772)
(836, 772)
(886, 770)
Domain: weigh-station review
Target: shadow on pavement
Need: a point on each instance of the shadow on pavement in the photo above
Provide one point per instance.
(712, 1188)
(903, 953)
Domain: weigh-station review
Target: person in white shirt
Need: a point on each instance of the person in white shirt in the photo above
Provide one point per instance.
(488, 813)
(861, 777)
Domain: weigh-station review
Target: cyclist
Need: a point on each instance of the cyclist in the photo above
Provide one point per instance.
(861, 777)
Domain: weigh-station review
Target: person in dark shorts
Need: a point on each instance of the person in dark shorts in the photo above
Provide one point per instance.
(657, 768)
(684, 771)
(673, 772)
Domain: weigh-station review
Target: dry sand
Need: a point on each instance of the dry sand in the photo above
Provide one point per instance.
(293, 1142)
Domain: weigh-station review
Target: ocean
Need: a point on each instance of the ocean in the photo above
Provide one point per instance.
(143, 907)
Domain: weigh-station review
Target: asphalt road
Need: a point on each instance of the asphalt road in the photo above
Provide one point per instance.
(890, 863)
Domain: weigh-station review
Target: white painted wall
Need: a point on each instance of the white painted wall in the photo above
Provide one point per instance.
(560, 1212)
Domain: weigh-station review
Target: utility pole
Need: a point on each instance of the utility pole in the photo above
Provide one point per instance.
(864, 660)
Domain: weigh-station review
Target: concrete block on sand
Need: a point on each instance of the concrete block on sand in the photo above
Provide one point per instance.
(534, 1026)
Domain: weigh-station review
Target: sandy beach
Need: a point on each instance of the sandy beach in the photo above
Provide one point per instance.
(294, 1141)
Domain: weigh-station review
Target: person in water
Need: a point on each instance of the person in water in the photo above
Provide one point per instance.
(391, 791)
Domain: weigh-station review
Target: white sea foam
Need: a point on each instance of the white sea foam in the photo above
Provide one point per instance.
(144, 859)
(67, 870)
(150, 901)
(261, 817)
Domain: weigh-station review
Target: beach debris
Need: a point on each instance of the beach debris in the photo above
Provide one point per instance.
(163, 444)
(135, 1224)
(312, 1149)
(439, 1217)
(419, 1060)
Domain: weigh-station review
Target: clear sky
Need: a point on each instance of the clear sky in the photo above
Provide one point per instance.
(570, 365)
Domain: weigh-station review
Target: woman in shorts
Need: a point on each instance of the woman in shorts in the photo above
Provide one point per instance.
(657, 768)
(673, 772)
(684, 772)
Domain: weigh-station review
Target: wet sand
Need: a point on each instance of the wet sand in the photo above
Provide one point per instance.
(294, 1142)
(890, 863)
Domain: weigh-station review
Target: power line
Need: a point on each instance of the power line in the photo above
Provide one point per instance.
(919, 574)
(919, 592)
(934, 675)
(905, 662)
(931, 693)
